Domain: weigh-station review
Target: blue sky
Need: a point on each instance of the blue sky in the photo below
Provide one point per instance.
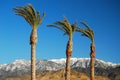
(102, 15)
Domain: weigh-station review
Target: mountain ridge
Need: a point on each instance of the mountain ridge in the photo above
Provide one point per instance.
(63, 61)
(19, 68)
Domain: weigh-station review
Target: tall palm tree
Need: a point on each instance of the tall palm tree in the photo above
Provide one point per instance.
(68, 29)
(90, 34)
(33, 18)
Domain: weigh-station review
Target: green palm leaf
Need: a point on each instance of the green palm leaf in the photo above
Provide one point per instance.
(64, 26)
(88, 32)
(30, 15)
(52, 25)
(85, 24)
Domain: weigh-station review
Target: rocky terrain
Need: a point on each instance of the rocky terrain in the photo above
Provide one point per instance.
(20, 68)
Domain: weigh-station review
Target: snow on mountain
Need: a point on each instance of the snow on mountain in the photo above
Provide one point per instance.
(53, 64)
(59, 61)
(103, 64)
(16, 66)
(63, 60)
(21, 67)
(43, 65)
(81, 62)
(2, 65)
(85, 62)
(24, 65)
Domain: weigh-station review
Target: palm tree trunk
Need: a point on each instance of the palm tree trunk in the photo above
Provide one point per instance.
(68, 56)
(33, 62)
(92, 60)
(33, 41)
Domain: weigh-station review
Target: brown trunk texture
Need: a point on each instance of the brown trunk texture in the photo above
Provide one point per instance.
(33, 62)
(68, 56)
(33, 37)
(33, 41)
(92, 60)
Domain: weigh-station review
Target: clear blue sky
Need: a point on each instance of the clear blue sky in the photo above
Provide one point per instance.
(102, 15)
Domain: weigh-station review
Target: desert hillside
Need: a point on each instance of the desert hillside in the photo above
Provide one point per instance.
(58, 75)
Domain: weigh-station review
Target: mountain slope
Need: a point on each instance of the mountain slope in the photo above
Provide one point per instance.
(19, 68)
(59, 75)
(85, 62)
(22, 67)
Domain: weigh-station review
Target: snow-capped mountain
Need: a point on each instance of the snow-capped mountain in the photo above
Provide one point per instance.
(21, 67)
(55, 64)
(41, 65)
(85, 62)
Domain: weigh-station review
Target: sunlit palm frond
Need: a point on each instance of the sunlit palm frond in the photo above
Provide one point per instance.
(40, 18)
(27, 13)
(30, 15)
(85, 24)
(78, 29)
(52, 25)
(89, 35)
(68, 25)
(29, 8)
(65, 26)
(86, 32)
(74, 27)
(20, 11)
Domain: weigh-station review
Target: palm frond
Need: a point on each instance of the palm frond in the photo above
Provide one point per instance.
(52, 25)
(41, 18)
(38, 18)
(85, 24)
(74, 27)
(86, 32)
(20, 11)
(31, 9)
(29, 14)
(78, 29)
(68, 25)
(89, 33)
(65, 26)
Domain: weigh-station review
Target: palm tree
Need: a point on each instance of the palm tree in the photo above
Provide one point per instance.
(90, 34)
(34, 19)
(68, 29)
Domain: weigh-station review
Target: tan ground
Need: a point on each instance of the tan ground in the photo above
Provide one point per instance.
(59, 75)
